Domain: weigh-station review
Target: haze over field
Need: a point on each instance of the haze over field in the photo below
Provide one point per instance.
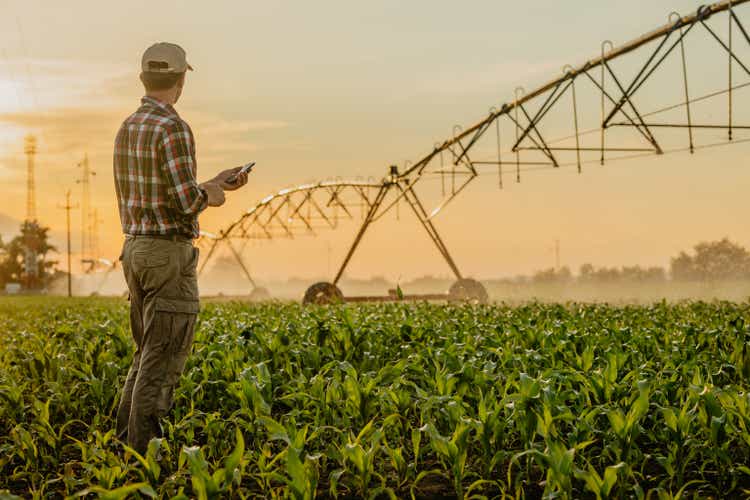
(312, 91)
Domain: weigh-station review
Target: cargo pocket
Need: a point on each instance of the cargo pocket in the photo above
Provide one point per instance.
(178, 317)
(146, 261)
(188, 284)
(191, 265)
(177, 305)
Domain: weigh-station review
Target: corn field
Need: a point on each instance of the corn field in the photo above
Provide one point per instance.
(387, 401)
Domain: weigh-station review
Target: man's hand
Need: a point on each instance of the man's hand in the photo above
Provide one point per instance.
(222, 178)
(215, 194)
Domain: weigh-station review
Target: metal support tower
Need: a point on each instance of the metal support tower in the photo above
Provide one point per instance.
(630, 101)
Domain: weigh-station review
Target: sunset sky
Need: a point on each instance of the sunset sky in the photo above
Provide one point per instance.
(312, 90)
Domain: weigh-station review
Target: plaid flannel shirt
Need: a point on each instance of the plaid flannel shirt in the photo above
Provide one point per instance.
(155, 173)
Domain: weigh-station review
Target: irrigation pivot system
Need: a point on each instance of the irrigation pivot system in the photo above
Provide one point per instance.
(679, 88)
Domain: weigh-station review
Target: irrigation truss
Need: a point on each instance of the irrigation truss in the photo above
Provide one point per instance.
(679, 88)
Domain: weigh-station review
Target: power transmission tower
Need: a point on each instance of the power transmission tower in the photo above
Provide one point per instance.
(30, 255)
(85, 182)
(30, 150)
(68, 207)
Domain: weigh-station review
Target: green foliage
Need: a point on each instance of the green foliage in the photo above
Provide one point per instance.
(387, 401)
(33, 241)
(714, 260)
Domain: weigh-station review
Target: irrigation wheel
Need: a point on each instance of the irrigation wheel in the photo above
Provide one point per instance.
(468, 290)
(323, 293)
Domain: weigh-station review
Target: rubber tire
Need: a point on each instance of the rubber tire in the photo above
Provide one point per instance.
(468, 290)
(323, 293)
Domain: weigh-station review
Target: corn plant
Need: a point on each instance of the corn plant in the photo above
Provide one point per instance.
(386, 401)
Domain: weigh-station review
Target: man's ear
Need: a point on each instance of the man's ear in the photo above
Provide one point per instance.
(181, 81)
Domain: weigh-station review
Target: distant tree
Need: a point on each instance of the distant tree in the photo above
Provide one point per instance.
(544, 276)
(586, 272)
(607, 274)
(633, 274)
(590, 274)
(552, 275)
(33, 240)
(712, 261)
(638, 274)
(655, 274)
(683, 268)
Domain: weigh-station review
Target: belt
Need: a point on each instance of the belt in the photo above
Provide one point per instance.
(168, 237)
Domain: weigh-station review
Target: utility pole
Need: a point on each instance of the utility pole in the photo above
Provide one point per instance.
(85, 182)
(68, 207)
(557, 254)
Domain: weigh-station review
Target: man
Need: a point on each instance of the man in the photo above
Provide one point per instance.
(159, 201)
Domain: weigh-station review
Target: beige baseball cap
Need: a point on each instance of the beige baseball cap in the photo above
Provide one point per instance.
(165, 57)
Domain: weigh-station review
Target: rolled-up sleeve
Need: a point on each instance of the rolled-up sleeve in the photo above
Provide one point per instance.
(178, 167)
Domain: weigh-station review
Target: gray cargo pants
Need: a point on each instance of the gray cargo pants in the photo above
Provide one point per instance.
(162, 279)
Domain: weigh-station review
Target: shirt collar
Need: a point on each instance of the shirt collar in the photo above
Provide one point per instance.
(152, 101)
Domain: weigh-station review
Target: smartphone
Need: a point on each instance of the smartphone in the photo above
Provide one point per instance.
(246, 168)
